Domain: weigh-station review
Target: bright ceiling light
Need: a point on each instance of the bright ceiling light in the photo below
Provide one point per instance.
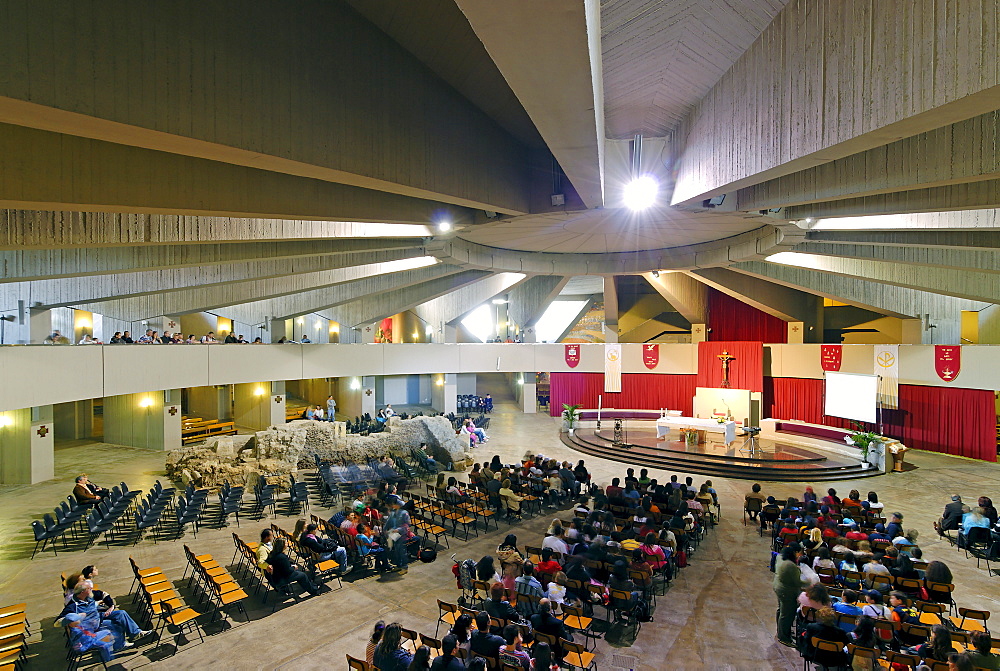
(641, 192)
(444, 226)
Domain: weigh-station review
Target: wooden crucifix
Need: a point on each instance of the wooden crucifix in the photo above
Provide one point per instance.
(725, 358)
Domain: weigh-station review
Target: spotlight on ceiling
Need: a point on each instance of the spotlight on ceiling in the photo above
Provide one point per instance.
(655, 273)
(641, 192)
(444, 226)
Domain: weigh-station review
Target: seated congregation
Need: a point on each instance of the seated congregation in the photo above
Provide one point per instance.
(535, 606)
(854, 590)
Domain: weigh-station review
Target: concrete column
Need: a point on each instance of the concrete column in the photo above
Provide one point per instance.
(368, 334)
(210, 402)
(368, 395)
(148, 420)
(449, 334)
(278, 329)
(796, 333)
(699, 332)
(529, 393)
(349, 395)
(74, 420)
(528, 334)
(912, 332)
(258, 405)
(27, 446)
(43, 322)
(444, 392)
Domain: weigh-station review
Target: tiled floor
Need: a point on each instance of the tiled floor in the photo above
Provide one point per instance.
(719, 614)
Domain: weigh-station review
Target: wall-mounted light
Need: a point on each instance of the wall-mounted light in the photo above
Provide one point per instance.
(355, 383)
(415, 336)
(520, 380)
(83, 323)
(6, 420)
(301, 321)
(334, 328)
(259, 391)
(440, 382)
(145, 402)
(318, 326)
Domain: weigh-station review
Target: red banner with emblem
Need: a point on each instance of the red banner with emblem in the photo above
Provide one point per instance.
(651, 355)
(830, 357)
(947, 361)
(572, 355)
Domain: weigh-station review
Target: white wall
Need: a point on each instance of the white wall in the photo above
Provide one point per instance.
(45, 374)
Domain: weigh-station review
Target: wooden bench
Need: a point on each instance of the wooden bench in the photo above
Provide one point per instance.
(210, 428)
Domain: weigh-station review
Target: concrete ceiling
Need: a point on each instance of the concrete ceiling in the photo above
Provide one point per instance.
(662, 56)
(285, 149)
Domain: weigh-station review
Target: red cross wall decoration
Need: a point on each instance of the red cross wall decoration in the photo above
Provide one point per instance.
(42, 431)
(173, 410)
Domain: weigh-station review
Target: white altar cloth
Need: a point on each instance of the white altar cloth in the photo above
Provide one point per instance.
(664, 424)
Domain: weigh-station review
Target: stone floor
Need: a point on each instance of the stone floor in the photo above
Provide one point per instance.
(718, 614)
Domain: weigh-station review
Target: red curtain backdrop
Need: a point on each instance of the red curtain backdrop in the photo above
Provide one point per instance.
(640, 391)
(951, 420)
(732, 319)
(745, 372)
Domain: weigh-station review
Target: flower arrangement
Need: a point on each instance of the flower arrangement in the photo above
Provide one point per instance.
(864, 440)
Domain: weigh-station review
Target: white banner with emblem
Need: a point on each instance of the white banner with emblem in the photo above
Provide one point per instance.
(887, 368)
(612, 367)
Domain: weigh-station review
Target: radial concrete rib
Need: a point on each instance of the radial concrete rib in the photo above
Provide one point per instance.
(71, 291)
(684, 293)
(942, 239)
(210, 297)
(549, 53)
(610, 309)
(529, 300)
(936, 158)
(971, 196)
(33, 229)
(366, 311)
(47, 264)
(966, 283)
(323, 298)
(934, 257)
(454, 306)
(894, 301)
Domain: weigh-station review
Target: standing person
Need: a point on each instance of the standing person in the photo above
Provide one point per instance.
(510, 562)
(787, 587)
(397, 531)
(331, 407)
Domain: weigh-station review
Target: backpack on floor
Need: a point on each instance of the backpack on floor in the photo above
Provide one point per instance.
(682, 559)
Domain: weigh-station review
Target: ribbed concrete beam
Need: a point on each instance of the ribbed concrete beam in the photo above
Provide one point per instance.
(968, 240)
(971, 196)
(366, 310)
(309, 89)
(955, 259)
(535, 45)
(826, 80)
(528, 300)
(939, 157)
(217, 289)
(104, 176)
(685, 294)
(34, 229)
(319, 299)
(452, 307)
(966, 283)
(776, 300)
(791, 305)
(889, 299)
(55, 263)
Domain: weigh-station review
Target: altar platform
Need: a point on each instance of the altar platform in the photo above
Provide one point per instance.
(775, 461)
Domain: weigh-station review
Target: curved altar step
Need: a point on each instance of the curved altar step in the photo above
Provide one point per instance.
(793, 465)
